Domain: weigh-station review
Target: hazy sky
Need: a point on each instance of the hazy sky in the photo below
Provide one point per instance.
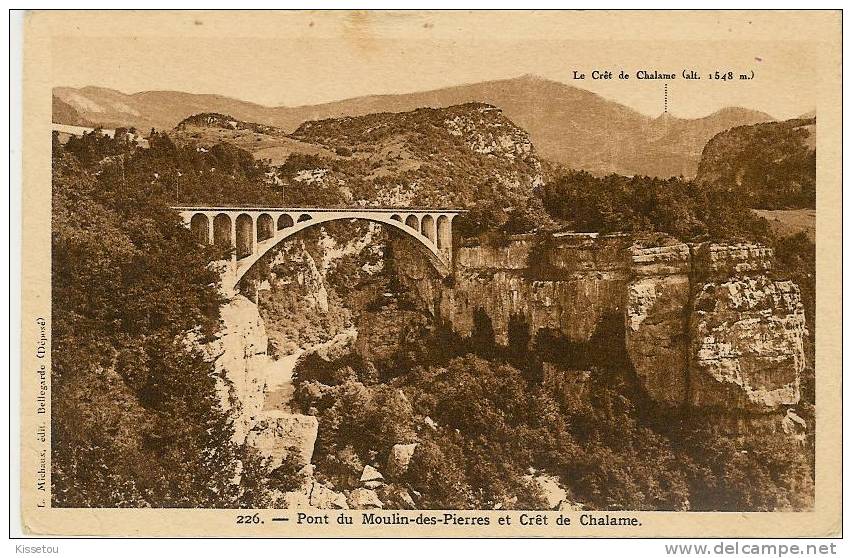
(307, 58)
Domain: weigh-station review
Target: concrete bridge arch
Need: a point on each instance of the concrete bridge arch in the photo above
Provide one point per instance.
(253, 231)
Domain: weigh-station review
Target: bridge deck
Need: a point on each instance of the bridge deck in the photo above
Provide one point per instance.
(324, 209)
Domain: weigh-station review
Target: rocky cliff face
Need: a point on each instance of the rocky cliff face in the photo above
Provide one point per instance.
(382, 333)
(568, 288)
(703, 325)
(746, 344)
(707, 326)
(241, 362)
(243, 367)
(656, 319)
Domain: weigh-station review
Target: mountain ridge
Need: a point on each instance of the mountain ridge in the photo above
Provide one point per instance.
(571, 126)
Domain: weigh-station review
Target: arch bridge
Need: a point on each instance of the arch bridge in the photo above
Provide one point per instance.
(251, 232)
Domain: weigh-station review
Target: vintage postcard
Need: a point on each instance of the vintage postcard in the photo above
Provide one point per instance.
(431, 274)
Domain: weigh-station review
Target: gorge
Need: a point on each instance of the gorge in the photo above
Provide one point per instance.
(705, 329)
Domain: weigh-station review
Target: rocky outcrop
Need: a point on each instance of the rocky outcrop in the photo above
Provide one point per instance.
(707, 326)
(554, 494)
(795, 427)
(365, 499)
(746, 332)
(278, 435)
(568, 287)
(399, 459)
(428, 156)
(371, 478)
(714, 262)
(747, 344)
(242, 364)
(313, 494)
(325, 497)
(704, 325)
(241, 360)
(656, 320)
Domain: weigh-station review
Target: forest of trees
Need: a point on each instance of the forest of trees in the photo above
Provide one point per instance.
(679, 207)
(481, 423)
(136, 419)
(771, 165)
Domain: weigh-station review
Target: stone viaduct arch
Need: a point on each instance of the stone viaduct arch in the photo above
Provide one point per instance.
(253, 231)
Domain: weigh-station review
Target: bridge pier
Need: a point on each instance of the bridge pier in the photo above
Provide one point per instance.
(444, 239)
(233, 244)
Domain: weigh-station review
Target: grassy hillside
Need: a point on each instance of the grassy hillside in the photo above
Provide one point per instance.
(266, 143)
(468, 156)
(786, 222)
(63, 113)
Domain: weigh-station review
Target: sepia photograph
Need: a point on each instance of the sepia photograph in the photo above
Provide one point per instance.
(432, 268)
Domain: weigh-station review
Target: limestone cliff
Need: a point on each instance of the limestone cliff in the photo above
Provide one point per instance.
(568, 288)
(656, 319)
(747, 331)
(746, 344)
(719, 261)
(708, 326)
(244, 369)
(704, 325)
(241, 361)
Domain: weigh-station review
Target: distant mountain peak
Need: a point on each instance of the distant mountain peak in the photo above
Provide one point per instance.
(568, 125)
(534, 78)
